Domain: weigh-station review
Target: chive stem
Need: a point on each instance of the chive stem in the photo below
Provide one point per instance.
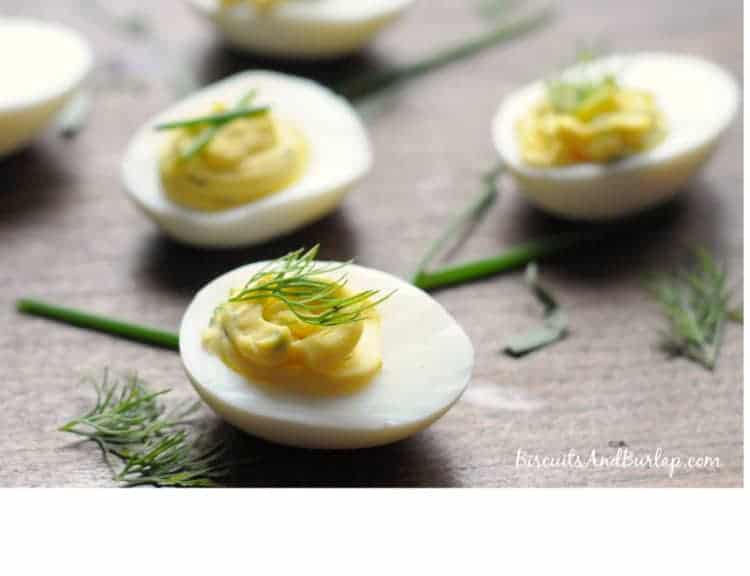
(369, 84)
(126, 330)
(512, 259)
(472, 212)
(220, 118)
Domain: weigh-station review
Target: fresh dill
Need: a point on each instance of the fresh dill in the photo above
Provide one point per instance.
(152, 443)
(212, 123)
(695, 303)
(554, 327)
(300, 283)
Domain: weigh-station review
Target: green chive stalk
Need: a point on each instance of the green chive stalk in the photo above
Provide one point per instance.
(369, 84)
(119, 328)
(512, 259)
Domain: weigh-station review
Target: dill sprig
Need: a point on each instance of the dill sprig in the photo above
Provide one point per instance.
(129, 422)
(298, 281)
(695, 303)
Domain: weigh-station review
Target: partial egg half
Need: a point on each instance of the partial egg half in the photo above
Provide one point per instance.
(301, 28)
(339, 157)
(427, 364)
(698, 100)
(43, 64)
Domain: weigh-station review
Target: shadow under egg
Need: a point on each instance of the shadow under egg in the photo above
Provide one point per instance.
(167, 264)
(634, 245)
(220, 60)
(33, 180)
(255, 463)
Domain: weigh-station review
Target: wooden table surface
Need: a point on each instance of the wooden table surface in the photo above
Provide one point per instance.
(69, 234)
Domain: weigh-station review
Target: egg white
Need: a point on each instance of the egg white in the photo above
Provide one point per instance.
(340, 156)
(43, 65)
(699, 101)
(427, 363)
(305, 28)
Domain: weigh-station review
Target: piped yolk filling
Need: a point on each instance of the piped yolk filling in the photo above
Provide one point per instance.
(610, 124)
(265, 342)
(246, 160)
(259, 4)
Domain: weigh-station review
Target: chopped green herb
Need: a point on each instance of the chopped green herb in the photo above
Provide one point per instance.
(212, 123)
(214, 119)
(554, 327)
(569, 91)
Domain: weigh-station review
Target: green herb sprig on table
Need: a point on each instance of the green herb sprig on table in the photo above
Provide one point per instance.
(212, 123)
(129, 423)
(695, 303)
(513, 258)
(296, 280)
(120, 328)
(554, 327)
(506, 30)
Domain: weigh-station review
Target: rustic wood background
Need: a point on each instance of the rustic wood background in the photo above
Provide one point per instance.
(69, 234)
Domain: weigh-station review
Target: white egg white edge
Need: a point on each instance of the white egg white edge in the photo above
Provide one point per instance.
(85, 65)
(427, 365)
(314, 11)
(517, 104)
(338, 161)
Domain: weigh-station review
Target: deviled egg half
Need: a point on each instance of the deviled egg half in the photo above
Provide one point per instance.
(246, 159)
(617, 135)
(323, 354)
(43, 65)
(300, 28)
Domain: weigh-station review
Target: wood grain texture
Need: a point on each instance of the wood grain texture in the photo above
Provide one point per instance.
(69, 234)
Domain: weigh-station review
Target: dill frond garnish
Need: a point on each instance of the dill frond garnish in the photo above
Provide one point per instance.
(298, 281)
(130, 423)
(695, 303)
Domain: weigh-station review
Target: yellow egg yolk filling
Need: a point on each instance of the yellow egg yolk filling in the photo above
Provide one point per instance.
(267, 343)
(247, 159)
(607, 124)
(259, 4)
